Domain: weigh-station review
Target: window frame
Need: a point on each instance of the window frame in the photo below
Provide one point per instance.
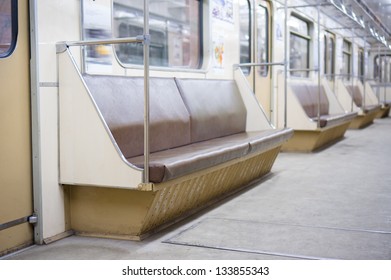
(246, 70)
(263, 71)
(200, 52)
(329, 56)
(383, 74)
(361, 63)
(348, 53)
(308, 39)
(14, 30)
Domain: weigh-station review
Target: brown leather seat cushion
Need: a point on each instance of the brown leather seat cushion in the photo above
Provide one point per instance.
(173, 163)
(334, 119)
(371, 108)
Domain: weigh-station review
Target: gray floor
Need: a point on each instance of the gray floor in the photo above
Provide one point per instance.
(333, 204)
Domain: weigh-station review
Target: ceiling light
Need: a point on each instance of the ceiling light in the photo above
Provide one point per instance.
(354, 16)
(343, 8)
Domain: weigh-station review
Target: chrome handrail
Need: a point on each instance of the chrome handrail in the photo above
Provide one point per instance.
(62, 46)
(303, 70)
(258, 64)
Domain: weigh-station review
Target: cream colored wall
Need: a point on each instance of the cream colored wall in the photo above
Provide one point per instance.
(369, 95)
(256, 117)
(57, 21)
(335, 106)
(384, 93)
(345, 98)
(80, 163)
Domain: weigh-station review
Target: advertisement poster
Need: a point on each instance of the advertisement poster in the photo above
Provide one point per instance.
(218, 52)
(223, 10)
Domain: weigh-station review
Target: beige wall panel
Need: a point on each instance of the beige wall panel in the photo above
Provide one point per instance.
(57, 21)
(15, 238)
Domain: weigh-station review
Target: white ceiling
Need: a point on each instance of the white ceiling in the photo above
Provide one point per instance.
(382, 10)
(373, 17)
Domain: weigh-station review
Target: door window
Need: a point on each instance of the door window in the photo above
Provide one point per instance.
(8, 27)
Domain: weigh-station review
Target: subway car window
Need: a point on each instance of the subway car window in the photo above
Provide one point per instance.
(262, 37)
(299, 46)
(325, 56)
(8, 27)
(96, 26)
(376, 68)
(245, 34)
(360, 64)
(382, 68)
(329, 55)
(174, 28)
(347, 58)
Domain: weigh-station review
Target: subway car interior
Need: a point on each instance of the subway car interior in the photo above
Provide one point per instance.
(195, 129)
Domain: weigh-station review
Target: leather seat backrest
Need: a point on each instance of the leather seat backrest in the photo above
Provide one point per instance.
(308, 96)
(216, 107)
(121, 102)
(324, 101)
(304, 97)
(355, 93)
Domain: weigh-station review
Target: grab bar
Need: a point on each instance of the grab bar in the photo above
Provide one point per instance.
(62, 46)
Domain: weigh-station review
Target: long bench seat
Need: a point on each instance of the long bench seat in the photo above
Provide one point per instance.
(381, 96)
(355, 93)
(367, 111)
(315, 115)
(385, 110)
(309, 97)
(334, 119)
(195, 124)
(207, 141)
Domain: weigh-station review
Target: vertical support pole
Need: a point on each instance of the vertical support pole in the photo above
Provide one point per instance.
(383, 79)
(35, 123)
(352, 70)
(253, 54)
(83, 37)
(146, 91)
(358, 78)
(319, 80)
(334, 75)
(378, 73)
(286, 64)
(363, 69)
